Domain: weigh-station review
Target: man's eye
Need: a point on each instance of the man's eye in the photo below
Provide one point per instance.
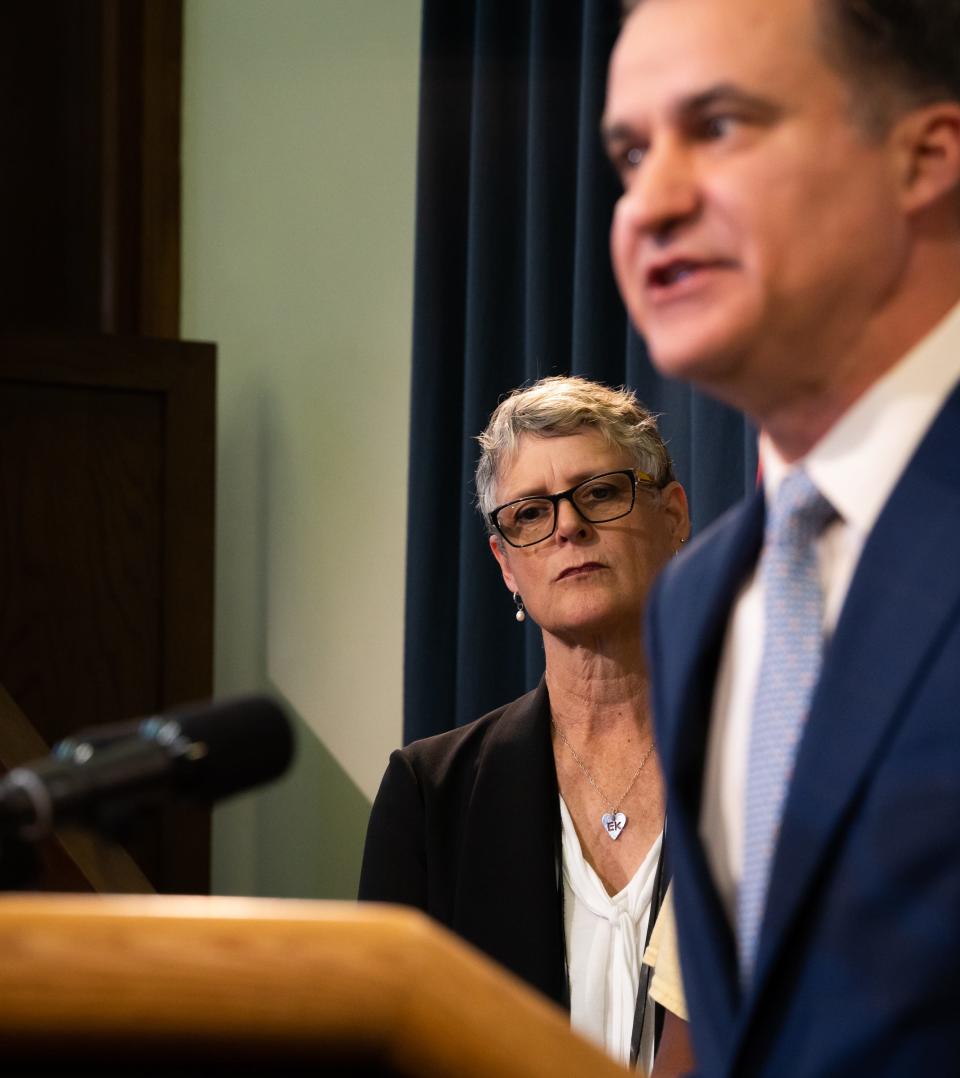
(600, 492)
(717, 127)
(634, 156)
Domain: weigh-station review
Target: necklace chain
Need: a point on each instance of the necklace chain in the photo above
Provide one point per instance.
(614, 808)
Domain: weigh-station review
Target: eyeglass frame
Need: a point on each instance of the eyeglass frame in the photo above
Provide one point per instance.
(635, 474)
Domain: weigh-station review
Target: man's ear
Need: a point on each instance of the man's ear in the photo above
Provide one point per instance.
(928, 145)
(500, 554)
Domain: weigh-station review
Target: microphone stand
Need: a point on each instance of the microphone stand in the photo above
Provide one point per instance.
(116, 821)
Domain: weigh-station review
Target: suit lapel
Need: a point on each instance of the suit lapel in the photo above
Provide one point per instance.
(508, 899)
(905, 588)
(695, 599)
(695, 615)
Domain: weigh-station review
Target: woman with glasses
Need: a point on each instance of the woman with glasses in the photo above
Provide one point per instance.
(535, 832)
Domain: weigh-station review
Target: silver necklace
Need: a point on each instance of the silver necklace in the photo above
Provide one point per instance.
(614, 821)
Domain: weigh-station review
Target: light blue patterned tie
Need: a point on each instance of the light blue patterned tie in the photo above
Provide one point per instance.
(792, 650)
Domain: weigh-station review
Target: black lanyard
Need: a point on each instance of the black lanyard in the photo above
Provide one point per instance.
(640, 1010)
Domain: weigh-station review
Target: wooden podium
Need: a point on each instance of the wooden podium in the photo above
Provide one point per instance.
(151, 985)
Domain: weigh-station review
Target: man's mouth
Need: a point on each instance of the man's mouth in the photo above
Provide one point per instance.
(673, 277)
(664, 276)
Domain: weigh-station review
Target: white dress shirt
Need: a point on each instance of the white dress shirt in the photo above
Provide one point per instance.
(855, 466)
(605, 938)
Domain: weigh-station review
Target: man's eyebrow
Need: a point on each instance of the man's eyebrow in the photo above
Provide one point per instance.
(613, 133)
(728, 93)
(723, 93)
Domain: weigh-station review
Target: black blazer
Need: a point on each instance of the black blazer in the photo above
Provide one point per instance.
(466, 826)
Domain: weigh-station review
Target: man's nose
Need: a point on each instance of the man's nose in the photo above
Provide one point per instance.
(662, 193)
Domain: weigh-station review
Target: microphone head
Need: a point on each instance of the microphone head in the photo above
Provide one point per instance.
(235, 743)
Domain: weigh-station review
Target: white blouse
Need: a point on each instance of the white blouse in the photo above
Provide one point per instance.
(605, 937)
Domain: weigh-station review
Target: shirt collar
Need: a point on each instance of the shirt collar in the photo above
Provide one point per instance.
(857, 463)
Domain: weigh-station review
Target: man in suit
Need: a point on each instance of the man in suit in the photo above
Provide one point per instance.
(788, 239)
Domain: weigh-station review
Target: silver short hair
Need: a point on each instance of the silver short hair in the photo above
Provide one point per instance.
(562, 405)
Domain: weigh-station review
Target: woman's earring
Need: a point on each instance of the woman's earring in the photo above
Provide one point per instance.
(521, 614)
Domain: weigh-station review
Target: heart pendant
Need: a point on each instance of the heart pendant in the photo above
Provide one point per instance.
(613, 824)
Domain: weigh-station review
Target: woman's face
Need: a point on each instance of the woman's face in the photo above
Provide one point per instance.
(586, 577)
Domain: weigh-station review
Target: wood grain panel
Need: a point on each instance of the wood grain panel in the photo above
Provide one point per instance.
(90, 102)
(80, 552)
(106, 548)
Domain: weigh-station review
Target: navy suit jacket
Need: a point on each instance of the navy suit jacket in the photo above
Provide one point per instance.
(858, 967)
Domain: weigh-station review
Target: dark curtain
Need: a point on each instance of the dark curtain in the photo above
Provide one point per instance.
(512, 283)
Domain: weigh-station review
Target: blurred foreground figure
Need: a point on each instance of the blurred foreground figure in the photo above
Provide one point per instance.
(788, 239)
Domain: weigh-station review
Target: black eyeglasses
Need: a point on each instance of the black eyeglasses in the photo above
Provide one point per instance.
(599, 499)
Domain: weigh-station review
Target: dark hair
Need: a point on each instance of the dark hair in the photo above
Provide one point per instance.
(892, 52)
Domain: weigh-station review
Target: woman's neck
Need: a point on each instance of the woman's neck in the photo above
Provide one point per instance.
(598, 687)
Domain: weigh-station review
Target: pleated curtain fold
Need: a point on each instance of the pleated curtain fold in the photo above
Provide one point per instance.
(513, 283)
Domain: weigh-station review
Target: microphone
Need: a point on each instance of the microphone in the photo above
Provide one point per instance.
(207, 751)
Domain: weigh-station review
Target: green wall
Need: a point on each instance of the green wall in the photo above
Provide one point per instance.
(299, 136)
